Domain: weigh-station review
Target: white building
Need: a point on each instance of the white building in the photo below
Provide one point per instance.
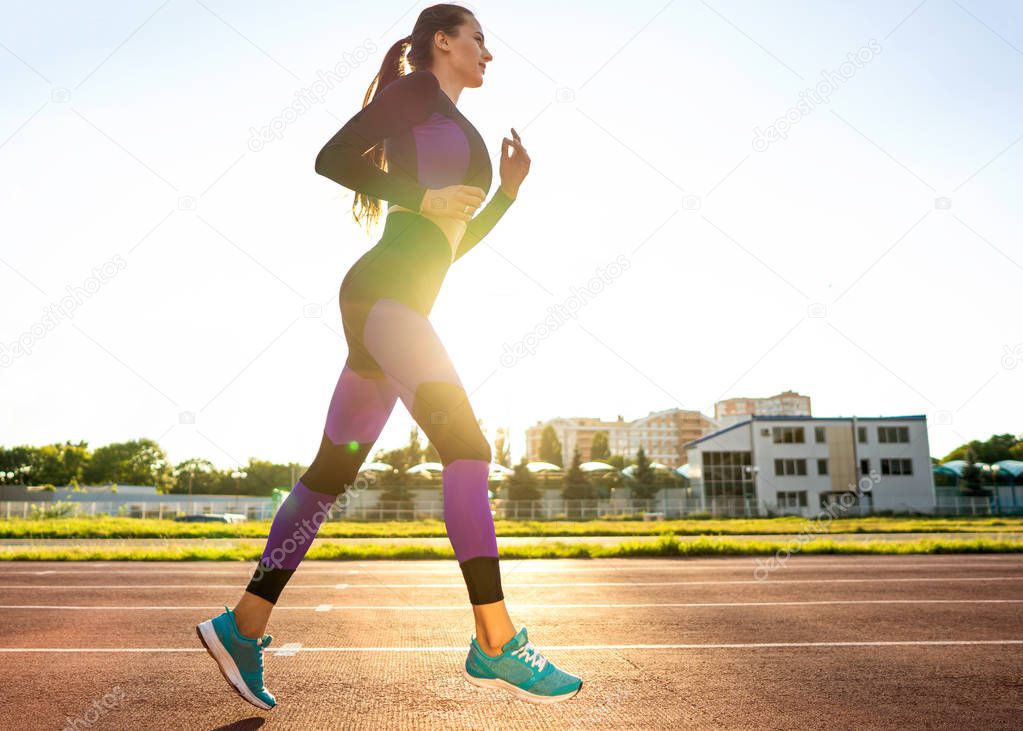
(799, 464)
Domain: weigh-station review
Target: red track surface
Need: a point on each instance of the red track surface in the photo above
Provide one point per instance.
(810, 647)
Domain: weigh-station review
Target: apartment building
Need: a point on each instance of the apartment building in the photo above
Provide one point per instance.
(662, 434)
(787, 403)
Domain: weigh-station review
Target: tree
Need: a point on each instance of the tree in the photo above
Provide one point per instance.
(550, 446)
(397, 497)
(17, 460)
(995, 449)
(599, 449)
(75, 457)
(414, 448)
(431, 454)
(404, 457)
(58, 463)
(522, 484)
(395, 458)
(576, 487)
(136, 462)
(198, 474)
(643, 486)
(971, 479)
(261, 477)
(617, 461)
(502, 455)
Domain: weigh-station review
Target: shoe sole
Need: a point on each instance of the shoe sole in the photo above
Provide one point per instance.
(228, 668)
(518, 692)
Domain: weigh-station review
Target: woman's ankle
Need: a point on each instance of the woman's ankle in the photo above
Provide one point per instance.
(251, 616)
(492, 644)
(489, 651)
(247, 627)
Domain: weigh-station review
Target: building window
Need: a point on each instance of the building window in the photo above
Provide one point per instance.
(818, 434)
(861, 434)
(896, 466)
(784, 467)
(788, 435)
(727, 478)
(892, 434)
(822, 467)
(864, 466)
(792, 499)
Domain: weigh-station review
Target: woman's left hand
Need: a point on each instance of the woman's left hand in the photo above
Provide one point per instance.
(513, 168)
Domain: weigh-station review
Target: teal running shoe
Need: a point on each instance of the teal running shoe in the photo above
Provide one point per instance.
(521, 670)
(239, 658)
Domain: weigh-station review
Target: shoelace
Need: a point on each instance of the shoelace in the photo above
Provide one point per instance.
(259, 651)
(531, 656)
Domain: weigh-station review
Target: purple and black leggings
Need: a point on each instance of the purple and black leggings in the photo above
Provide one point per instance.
(393, 352)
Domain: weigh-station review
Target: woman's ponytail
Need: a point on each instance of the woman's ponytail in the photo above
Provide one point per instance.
(416, 51)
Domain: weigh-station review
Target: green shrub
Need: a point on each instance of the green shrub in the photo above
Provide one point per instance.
(51, 511)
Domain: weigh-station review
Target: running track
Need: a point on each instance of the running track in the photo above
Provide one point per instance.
(823, 642)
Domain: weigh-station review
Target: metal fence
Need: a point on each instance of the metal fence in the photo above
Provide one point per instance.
(542, 509)
(361, 510)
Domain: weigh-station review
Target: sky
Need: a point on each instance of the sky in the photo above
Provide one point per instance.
(731, 198)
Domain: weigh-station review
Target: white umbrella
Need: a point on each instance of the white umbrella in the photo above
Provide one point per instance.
(657, 466)
(542, 467)
(425, 468)
(596, 467)
(499, 471)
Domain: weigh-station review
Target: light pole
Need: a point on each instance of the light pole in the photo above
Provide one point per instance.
(752, 471)
(994, 489)
(194, 467)
(238, 476)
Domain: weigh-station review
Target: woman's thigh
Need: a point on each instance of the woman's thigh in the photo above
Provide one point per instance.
(404, 345)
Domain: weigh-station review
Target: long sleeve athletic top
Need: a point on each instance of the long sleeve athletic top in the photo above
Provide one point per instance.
(427, 142)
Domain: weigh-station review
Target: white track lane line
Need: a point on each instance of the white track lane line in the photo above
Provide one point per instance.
(460, 607)
(559, 585)
(680, 565)
(553, 648)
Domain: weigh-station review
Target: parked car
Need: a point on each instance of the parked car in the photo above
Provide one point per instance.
(212, 518)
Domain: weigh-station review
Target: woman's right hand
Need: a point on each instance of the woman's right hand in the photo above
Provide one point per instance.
(454, 201)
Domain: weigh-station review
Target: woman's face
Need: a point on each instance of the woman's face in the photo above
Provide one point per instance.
(467, 53)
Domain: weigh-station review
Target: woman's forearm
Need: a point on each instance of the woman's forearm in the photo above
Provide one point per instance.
(484, 221)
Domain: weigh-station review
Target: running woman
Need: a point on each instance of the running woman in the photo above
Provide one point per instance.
(437, 174)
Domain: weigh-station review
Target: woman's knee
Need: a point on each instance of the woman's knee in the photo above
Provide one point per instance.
(336, 466)
(472, 446)
(442, 410)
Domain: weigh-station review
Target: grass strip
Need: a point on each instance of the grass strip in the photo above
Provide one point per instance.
(667, 546)
(119, 527)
